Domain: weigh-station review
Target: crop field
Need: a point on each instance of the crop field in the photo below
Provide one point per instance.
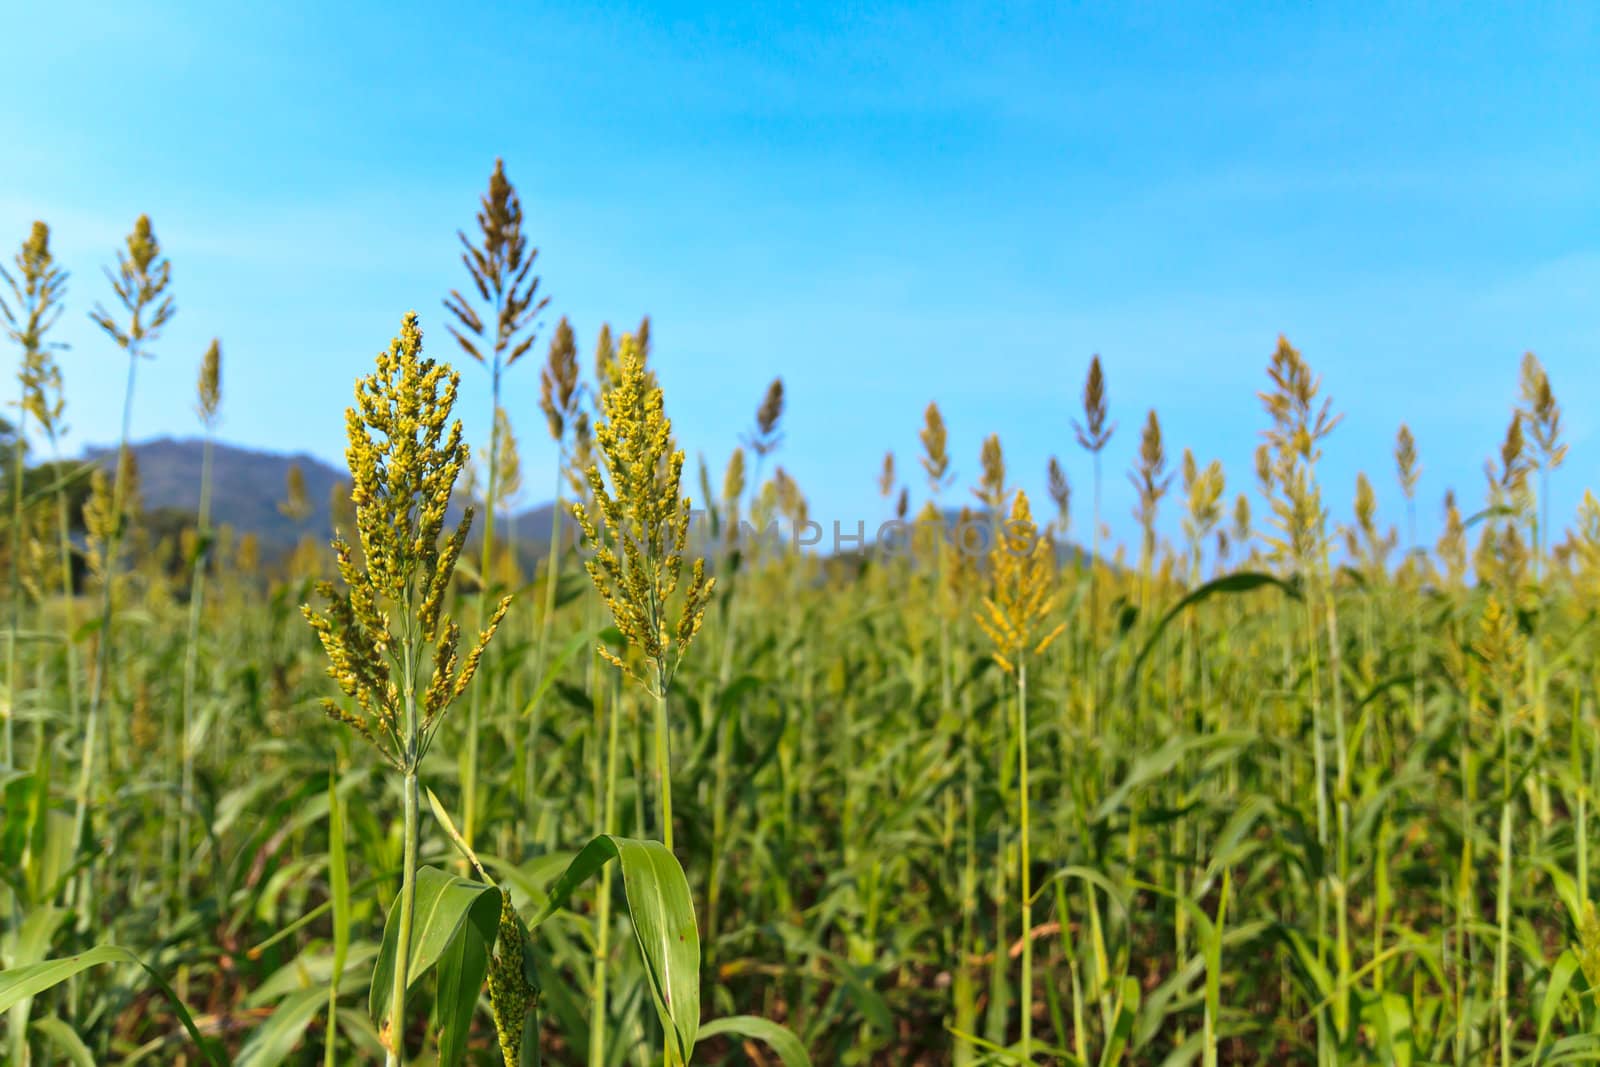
(681, 787)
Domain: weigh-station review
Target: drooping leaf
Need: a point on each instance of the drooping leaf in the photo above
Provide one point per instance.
(273, 1041)
(779, 1038)
(663, 924)
(444, 905)
(21, 982)
(1228, 584)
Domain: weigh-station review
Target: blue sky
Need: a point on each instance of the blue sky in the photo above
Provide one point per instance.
(884, 205)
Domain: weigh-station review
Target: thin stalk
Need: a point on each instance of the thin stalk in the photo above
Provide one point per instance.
(64, 534)
(962, 986)
(395, 1041)
(663, 757)
(1025, 890)
(551, 580)
(1094, 606)
(396, 1044)
(8, 756)
(1502, 963)
(602, 940)
(1341, 889)
(469, 754)
(97, 685)
(664, 777)
(191, 661)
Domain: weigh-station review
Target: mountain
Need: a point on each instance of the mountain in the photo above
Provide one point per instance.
(247, 485)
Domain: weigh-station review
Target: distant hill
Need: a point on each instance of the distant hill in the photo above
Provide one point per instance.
(247, 486)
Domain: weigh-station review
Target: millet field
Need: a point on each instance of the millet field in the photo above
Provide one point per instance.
(1286, 787)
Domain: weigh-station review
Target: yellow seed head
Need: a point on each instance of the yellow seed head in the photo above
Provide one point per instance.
(558, 381)
(935, 449)
(991, 488)
(405, 454)
(209, 389)
(1406, 462)
(1095, 431)
(1023, 575)
(637, 527)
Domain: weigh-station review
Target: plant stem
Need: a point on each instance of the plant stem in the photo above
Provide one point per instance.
(8, 755)
(602, 949)
(1026, 887)
(411, 757)
(663, 758)
(469, 754)
(190, 662)
(97, 685)
(1502, 963)
(396, 1042)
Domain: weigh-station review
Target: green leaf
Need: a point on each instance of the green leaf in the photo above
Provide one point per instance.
(442, 907)
(557, 664)
(273, 1041)
(779, 1038)
(1560, 978)
(461, 973)
(663, 924)
(21, 982)
(1243, 582)
(1127, 1013)
(1390, 1016)
(65, 1039)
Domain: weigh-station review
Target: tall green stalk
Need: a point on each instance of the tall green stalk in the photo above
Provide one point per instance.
(602, 930)
(36, 291)
(14, 593)
(501, 269)
(210, 397)
(1025, 872)
(141, 282)
(405, 455)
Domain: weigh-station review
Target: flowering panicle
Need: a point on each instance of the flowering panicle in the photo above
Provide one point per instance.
(1241, 519)
(638, 524)
(1500, 648)
(765, 438)
(1364, 540)
(1203, 489)
(991, 487)
(1150, 479)
(501, 268)
(960, 573)
(1407, 466)
(1542, 413)
(733, 492)
(404, 455)
(886, 476)
(1286, 462)
(558, 381)
(37, 290)
(1452, 544)
(935, 449)
(513, 987)
(1024, 576)
(505, 442)
(209, 388)
(1061, 493)
(141, 281)
(1589, 944)
(1095, 431)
